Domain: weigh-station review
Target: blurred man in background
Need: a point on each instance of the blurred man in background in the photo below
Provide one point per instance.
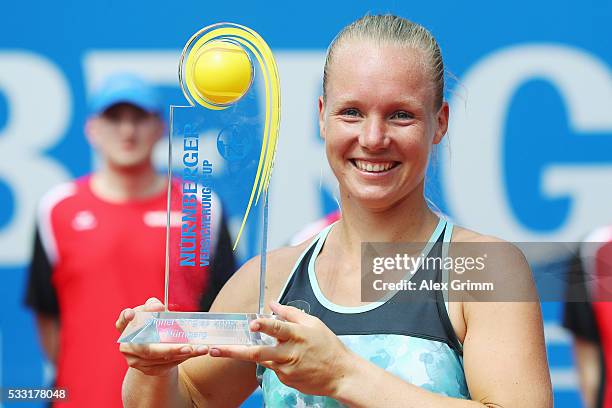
(588, 315)
(314, 228)
(99, 245)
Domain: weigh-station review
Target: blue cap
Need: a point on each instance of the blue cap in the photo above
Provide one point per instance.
(125, 88)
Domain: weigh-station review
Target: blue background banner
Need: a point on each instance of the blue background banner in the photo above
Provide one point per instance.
(528, 155)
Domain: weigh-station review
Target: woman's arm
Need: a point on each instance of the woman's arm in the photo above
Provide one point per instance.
(155, 378)
(141, 390)
(505, 366)
(504, 353)
(365, 384)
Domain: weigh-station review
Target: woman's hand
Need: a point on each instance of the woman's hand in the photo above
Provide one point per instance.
(154, 359)
(308, 357)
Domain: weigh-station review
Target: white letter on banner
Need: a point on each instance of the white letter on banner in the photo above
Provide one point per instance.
(40, 106)
(301, 169)
(472, 175)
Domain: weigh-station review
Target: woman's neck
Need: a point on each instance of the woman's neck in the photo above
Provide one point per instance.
(123, 184)
(410, 220)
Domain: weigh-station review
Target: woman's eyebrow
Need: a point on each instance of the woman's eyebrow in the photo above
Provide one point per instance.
(351, 101)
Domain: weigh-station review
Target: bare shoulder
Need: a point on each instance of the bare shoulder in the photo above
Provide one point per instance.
(507, 318)
(495, 261)
(463, 234)
(241, 292)
(476, 242)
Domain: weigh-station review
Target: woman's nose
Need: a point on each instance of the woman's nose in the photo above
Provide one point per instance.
(373, 135)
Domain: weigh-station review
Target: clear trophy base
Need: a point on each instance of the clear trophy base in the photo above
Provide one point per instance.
(195, 328)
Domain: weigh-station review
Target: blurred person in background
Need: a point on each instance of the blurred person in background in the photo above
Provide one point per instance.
(588, 316)
(99, 245)
(313, 228)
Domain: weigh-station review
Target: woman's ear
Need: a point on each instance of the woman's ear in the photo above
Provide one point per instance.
(442, 123)
(322, 117)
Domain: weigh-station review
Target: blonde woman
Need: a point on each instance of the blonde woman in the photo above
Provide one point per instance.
(381, 112)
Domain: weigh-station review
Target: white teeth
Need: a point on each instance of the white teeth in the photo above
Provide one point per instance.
(373, 167)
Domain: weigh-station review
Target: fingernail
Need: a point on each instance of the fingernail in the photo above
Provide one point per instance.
(214, 352)
(186, 349)
(255, 326)
(201, 349)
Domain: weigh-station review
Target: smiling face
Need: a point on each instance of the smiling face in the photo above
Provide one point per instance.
(379, 121)
(125, 135)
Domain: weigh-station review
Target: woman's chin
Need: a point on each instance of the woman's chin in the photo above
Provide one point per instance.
(373, 201)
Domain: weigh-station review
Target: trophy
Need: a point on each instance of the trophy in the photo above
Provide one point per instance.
(221, 149)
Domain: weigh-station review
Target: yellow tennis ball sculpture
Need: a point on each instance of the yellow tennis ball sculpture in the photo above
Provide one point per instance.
(221, 72)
